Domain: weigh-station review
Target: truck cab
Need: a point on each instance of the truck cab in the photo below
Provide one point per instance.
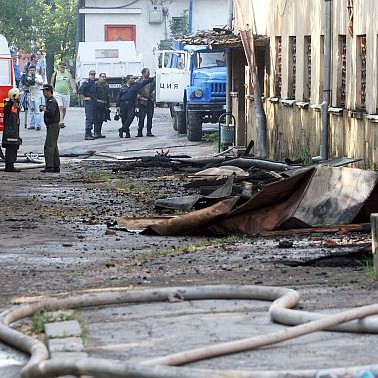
(6, 76)
(192, 80)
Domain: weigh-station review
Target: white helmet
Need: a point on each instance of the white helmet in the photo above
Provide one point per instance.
(14, 94)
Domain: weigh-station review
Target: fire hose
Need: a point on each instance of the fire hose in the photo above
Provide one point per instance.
(284, 299)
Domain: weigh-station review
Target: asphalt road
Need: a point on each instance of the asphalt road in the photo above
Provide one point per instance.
(137, 332)
(71, 141)
(71, 138)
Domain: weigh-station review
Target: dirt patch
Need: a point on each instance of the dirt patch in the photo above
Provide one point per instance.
(54, 238)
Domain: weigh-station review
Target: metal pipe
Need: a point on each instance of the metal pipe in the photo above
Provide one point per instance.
(326, 79)
(229, 68)
(190, 20)
(79, 24)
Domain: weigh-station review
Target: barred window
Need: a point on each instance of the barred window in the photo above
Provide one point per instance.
(292, 77)
(278, 68)
(307, 69)
(361, 73)
(341, 71)
(321, 71)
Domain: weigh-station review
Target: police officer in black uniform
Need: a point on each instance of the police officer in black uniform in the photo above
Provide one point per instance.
(126, 102)
(87, 92)
(11, 134)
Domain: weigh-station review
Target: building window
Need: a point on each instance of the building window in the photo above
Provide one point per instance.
(341, 71)
(361, 73)
(292, 77)
(179, 25)
(278, 68)
(321, 70)
(307, 69)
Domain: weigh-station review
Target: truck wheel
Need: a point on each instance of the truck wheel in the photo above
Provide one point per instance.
(174, 123)
(194, 125)
(181, 122)
(173, 115)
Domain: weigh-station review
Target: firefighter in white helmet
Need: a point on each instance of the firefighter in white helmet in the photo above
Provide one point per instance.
(11, 134)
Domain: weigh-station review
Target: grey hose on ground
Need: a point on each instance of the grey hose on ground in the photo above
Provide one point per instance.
(28, 166)
(243, 345)
(283, 298)
(117, 369)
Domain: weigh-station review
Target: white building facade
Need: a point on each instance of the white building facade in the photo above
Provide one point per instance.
(146, 22)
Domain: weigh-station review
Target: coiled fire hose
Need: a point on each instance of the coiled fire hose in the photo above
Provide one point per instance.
(354, 320)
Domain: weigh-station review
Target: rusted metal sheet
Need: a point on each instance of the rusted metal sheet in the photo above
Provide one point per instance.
(322, 196)
(195, 222)
(268, 209)
(335, 196)
(138, 224)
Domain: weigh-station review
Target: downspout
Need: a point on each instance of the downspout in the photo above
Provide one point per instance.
(79, 24)
(324, 141)
(229, 63)
(190, 20)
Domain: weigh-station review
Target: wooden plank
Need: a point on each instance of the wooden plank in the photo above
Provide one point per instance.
(342, 228)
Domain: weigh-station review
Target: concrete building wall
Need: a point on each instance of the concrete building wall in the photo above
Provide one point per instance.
(206, 15)
(353, 131)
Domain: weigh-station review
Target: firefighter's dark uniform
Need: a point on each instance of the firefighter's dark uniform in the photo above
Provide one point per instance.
(88, 89)
(102, 108)
(11, 134)
(126, 102)
(52, 118)
(146, 108)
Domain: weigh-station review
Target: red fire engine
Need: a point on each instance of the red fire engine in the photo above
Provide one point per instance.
(6, 76)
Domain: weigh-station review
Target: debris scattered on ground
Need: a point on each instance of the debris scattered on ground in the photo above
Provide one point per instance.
(267, 195)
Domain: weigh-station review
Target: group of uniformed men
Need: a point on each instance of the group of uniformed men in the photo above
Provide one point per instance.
(96, 97)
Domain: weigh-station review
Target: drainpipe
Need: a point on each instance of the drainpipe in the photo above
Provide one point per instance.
(228, 64)
(326, 79)
(79, 24)
(190, 20)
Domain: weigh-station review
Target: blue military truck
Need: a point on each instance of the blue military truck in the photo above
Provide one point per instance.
(192, 80)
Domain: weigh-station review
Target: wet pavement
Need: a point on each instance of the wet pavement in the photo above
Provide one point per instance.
(54, 239)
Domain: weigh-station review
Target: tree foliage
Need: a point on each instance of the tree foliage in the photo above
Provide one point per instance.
(19, 22)
(180, 25)
(50, 24)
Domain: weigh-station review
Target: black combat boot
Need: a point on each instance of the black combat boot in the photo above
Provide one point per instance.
(97, 131)
(9, 167)
(140, 133)
(88, 136)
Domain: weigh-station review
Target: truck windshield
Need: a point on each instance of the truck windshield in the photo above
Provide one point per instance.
(5, 69)
(210, 59)
(172, 60)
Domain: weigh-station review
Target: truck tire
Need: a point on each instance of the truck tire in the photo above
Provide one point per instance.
(194, 126)
(174, 119)
(174, 123)
(181, 122)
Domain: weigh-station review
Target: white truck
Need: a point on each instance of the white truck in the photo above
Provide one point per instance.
(117, 59)
(192, 80)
